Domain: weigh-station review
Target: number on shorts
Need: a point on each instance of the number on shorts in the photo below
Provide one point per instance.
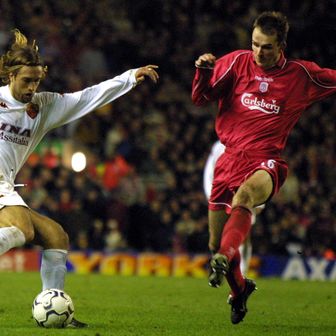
(270, 164)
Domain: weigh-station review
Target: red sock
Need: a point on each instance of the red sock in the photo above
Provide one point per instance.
(235, 231)
(234, 277)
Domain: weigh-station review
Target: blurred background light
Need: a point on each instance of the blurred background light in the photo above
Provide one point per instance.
(78, 161)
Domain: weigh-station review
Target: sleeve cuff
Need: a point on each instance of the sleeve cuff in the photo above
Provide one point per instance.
(132, 76)
(204, 67)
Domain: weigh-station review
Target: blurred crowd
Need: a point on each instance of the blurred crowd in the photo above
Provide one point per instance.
(142, 188)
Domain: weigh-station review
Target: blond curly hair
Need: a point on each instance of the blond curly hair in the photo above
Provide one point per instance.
(20, 54)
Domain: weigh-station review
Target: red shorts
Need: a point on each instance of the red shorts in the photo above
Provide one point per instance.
(235, 166)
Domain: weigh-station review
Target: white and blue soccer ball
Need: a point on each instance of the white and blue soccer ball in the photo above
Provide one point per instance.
(53, 308)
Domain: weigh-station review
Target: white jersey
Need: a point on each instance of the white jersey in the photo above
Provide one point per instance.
(20, 133)
(217, 150)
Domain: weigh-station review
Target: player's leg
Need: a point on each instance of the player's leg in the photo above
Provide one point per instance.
(217, 220)
(255, 190)
(55, 242)
(51, 236)
(245, 249)
(15, 227)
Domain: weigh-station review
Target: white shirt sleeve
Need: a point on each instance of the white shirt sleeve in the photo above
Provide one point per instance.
(60, 109)
(216, 151)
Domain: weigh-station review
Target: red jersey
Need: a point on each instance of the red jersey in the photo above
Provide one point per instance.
(257, 107)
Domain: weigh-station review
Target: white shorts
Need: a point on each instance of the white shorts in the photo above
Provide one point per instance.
(8, 196)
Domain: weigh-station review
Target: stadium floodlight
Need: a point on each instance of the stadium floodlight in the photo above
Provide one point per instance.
(78, 161)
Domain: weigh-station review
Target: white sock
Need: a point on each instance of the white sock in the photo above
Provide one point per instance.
(245, 254)
(53, 268)
(10, 237)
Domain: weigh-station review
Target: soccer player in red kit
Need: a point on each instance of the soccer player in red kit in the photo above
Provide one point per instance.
(261, 95)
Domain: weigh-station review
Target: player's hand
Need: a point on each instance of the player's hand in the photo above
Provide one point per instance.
(206, 61)
(147, 71)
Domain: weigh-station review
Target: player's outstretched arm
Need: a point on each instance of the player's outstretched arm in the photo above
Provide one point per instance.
(147, 71)
(200, 87)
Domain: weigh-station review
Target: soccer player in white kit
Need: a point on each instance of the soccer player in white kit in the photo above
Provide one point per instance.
(217, 150)
(25, 117)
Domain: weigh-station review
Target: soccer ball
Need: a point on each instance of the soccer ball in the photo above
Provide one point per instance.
(53, 308)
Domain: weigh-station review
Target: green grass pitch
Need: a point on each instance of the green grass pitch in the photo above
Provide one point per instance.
(145, 306)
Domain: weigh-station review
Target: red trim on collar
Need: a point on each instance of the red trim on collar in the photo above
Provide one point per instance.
(282, 61)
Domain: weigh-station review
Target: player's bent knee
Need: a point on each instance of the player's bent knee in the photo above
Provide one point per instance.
(29, 233)
(65, 240)
(11, 237)
(60, 241)
(56, 238)
(18, 217)
(26, 230)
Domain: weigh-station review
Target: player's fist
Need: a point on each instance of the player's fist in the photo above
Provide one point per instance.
(147, 71)
(206, 61)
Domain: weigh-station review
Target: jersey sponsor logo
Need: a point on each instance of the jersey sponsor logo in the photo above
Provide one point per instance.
(14, 134)
(15, 139)
(253, 103)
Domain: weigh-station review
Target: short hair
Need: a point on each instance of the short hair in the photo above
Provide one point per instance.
(20, 54)
(272, 23)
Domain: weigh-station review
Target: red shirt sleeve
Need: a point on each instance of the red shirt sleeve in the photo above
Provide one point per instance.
(322, 80)
(210, 85)
(201, 85)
